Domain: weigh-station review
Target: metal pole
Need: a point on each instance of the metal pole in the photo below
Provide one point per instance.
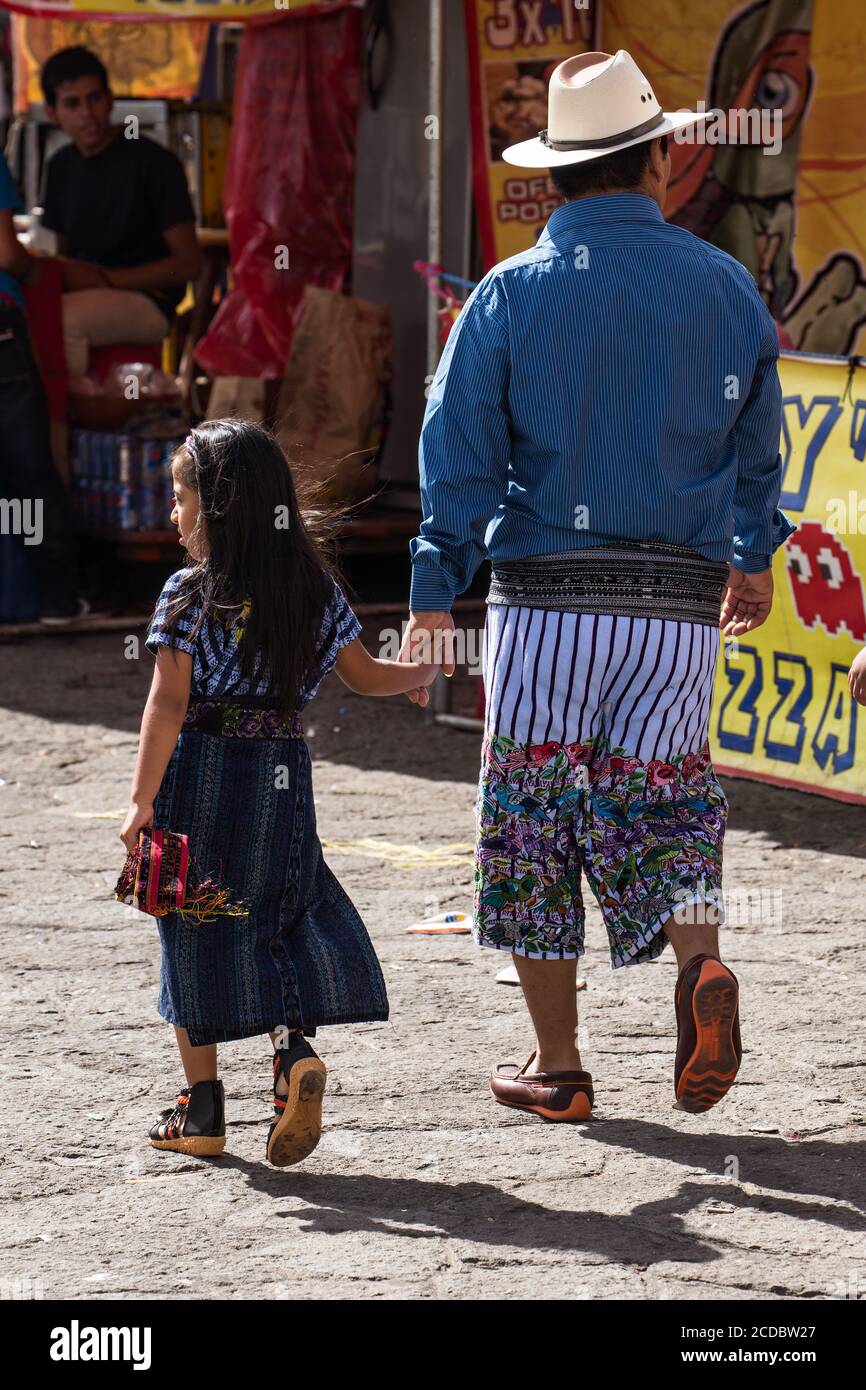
(440, 691)
(434, 173)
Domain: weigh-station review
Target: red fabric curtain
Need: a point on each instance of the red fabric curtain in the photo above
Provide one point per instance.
(289, 184)
(43, 306)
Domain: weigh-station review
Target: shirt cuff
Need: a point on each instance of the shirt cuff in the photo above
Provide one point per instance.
(751, 561)
(782, 528)
(429, 591)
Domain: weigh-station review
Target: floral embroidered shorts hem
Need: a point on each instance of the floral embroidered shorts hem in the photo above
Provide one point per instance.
(595, 761)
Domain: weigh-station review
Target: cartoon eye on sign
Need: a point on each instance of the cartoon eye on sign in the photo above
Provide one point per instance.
(824, 584)
(798, 562)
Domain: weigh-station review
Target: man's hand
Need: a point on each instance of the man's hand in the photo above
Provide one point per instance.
(81, 275)
(421, 644)
(747, 601)
(857, 677)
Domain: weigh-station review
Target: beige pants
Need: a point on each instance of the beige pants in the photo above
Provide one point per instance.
(107, 316)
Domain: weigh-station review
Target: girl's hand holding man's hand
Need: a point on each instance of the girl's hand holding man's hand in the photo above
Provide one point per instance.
(429, 639)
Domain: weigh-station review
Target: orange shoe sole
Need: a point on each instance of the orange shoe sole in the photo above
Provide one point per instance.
(710, 1071)
(203, 1146)
(299, 1128)
(579, 1109)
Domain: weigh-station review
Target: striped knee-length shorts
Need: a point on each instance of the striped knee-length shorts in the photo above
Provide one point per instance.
(595, 760)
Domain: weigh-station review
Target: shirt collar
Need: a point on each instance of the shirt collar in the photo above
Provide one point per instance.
(601, 207)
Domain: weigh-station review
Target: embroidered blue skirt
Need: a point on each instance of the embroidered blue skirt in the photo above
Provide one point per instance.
(239, 785)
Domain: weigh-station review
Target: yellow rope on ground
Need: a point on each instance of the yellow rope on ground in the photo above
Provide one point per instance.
(457, 854)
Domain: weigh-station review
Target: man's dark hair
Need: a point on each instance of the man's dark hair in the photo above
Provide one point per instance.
(624, 169)
(67, 65)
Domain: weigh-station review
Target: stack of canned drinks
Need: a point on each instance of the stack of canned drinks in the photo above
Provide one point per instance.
(122, 481)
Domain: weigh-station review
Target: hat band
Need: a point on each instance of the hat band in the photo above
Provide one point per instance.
(606, 140)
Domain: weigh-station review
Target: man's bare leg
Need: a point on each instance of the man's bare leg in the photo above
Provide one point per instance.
(551, 998)
(693, 930)
(549, 986)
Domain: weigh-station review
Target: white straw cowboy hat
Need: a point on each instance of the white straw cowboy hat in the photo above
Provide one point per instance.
(597, 103)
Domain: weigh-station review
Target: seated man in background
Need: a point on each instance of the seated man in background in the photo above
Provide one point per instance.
(120, 206)
(36, 503)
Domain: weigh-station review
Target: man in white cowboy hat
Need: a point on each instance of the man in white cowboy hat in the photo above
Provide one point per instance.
(604, 424)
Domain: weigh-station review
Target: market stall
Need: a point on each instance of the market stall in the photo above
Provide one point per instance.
(262, 109)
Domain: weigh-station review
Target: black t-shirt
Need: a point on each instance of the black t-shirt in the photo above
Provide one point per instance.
(113, 207)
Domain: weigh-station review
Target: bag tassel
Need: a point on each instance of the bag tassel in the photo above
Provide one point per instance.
(209, 901)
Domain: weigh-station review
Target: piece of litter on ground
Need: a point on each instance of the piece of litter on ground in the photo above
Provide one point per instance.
(438, 929)
(763, 1129)
(448, 922)
(95, 1117)
(508, 976)
(722, 1207)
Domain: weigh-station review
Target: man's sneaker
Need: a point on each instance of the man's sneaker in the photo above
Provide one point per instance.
(298, 1127)
(196, 1124)
(709, 1050)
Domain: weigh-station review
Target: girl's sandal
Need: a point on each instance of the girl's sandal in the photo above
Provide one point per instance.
(298, 1127)
(182, 1098)
(196, 1124)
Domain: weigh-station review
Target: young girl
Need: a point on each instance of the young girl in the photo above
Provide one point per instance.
(242, 638)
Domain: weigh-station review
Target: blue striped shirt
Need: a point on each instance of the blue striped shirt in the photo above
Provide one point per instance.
(216, 654)
(618, 381)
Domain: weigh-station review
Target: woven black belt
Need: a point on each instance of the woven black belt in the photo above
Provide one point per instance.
(242, 717)
(626, 579)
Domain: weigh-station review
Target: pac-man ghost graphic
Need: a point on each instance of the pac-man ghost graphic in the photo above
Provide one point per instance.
(826, 587)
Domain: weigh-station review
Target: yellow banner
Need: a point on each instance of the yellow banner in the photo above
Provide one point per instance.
(513, 49)
(146, 10)
(143, 60)
(783, 189)
(796, 216)
(827, 312)
(782, 710)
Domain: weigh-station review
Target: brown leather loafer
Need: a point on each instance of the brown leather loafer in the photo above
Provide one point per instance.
(562, 1096)
(709, 1050)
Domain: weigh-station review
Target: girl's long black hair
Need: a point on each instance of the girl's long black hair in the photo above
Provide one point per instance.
(261, 548)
